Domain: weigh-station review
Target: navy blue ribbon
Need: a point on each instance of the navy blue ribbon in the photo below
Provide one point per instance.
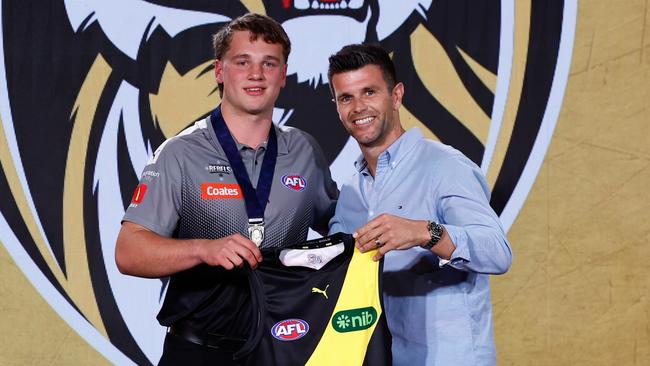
(255, 199)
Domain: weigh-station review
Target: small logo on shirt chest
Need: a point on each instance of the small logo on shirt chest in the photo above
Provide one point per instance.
(220, 191)
(294, 182)
(218, 169)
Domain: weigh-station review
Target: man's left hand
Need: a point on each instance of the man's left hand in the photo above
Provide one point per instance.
(387, 232)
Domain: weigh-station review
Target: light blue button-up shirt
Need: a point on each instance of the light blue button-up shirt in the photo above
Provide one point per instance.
(439, 312)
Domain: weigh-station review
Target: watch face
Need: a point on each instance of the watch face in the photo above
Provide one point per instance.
(436, 231)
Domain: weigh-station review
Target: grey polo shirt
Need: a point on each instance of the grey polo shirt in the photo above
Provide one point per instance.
(188, 189)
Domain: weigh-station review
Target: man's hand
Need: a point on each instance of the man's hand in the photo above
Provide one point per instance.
(143, 253)
(229, 252)
(387, 232)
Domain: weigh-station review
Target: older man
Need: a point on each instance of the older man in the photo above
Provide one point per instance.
(426, 207)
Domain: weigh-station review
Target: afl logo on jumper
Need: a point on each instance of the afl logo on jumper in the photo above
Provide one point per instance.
(294, 182)
(290, 329)
(220, 190)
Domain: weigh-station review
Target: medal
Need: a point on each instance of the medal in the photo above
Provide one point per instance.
(255, 199)
(256, 231)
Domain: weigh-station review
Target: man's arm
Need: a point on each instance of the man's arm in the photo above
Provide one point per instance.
(463, 206)
(388, 232)
(485, 249)
(473, 239)
(143, 253)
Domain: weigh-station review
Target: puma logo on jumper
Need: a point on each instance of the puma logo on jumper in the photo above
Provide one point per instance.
(319, 291)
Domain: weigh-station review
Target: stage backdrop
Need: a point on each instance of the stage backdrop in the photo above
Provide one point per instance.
(91, 88)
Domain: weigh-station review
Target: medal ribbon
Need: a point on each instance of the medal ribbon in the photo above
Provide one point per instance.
(255, 199)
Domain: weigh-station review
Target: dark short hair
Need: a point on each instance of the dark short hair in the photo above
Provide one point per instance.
(355, 56)
(259, 26)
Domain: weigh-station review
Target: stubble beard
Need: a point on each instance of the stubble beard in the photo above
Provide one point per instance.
(373, 137)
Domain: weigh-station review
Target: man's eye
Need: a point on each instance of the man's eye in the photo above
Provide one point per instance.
(370, 92)
(270, 64)
(345, 100)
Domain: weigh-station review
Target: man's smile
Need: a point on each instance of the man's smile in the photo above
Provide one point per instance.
(254, 91)
(363, 121)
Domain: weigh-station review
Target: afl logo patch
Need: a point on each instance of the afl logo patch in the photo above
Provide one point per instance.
(294, 182)
(290, 329)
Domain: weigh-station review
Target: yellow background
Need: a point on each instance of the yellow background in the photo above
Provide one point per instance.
(578, 292)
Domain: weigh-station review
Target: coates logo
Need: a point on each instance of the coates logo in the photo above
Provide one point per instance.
(220, 190)
(290, 329)
(138, 195)
(294, 182)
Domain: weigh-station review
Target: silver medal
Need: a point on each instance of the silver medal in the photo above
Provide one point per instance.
(256, 231)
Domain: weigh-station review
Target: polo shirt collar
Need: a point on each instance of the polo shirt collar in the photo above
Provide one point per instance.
(282, 143)
(283, 147)
(396, 151)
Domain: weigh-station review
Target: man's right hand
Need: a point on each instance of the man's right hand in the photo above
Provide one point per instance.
(229, 252)
(143, 253)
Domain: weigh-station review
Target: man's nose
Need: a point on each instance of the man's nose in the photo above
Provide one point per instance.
(256, 72)
(359, 105)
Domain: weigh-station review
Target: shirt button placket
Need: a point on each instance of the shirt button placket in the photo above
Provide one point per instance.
(373, 204)
(370, 193)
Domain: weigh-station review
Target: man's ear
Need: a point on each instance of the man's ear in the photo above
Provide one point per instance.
(284, 75)
(397, 95)
(218, 71)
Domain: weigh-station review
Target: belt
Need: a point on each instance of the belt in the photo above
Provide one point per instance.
(212, 340)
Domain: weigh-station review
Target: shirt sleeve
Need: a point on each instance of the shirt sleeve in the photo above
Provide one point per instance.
(463, 206)
(337, 224)
(327, 193)
(158, 202)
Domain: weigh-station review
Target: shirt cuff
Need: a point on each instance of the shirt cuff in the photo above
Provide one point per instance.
(461, 254)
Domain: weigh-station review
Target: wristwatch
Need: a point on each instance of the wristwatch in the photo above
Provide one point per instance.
(435, 230)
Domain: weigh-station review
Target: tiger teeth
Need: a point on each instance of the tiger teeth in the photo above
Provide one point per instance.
(316, 4)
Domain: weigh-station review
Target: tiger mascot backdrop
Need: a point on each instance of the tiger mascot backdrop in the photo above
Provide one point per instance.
(91, 88)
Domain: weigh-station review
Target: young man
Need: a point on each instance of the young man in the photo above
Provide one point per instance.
(212, 196)
(426, 207)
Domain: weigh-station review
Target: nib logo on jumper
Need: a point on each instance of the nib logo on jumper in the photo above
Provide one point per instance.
(353, 320)
(294, 182)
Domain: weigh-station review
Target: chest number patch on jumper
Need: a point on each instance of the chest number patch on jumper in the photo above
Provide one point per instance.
(352, 320)
(294, 182)
(290, 329)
